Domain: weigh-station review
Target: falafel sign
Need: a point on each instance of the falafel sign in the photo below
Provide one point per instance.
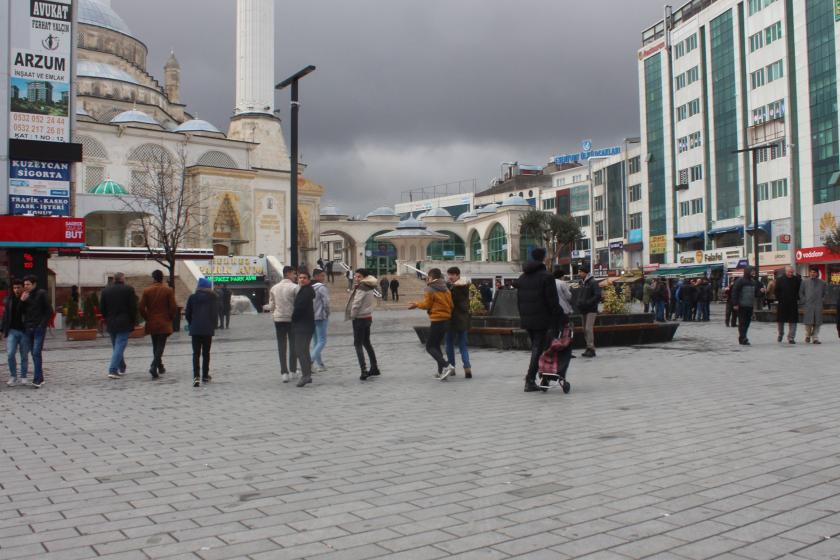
(40, 70)
(233, 269)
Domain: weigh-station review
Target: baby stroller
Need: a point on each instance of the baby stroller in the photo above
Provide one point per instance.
(554, 362)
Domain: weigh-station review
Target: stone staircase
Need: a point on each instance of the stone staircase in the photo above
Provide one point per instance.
(140, 283)
(411, 290)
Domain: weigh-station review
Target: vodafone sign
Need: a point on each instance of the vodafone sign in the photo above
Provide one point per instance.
(816, 255)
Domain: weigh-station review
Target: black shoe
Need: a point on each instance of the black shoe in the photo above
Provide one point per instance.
(531, 387)
(364, 375)
(374, 372)
(161, 369)
(779, 338)
(207, 378)
(305, 380)
(196, 382)
(791, 341)
(123, 367)
(590, 353)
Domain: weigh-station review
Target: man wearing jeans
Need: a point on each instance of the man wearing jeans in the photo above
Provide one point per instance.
(322, 317)
(37, 313)
(459, 324)
(590, 297)
(15, 334)
(119, 308)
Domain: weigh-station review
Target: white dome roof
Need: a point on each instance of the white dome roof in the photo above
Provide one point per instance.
(515, 201)
(101, 70)
(466, 215)
(438, 213)
(197, 125)
(332, 211)
(134, 116)
(489, 209)
(93, 12)
(382, 211)
(411, 223)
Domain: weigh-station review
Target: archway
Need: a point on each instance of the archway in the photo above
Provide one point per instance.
(447, 249)
(226, 227)
(497, 249)
(380, 256)
(340, 248)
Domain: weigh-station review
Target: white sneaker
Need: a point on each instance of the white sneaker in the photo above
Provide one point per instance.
(284, 377)
(12, 381)
(447, 371)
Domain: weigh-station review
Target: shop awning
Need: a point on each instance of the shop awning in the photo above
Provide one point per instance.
(765, 226)
(694, 271)
(727, 229)
(690, 235)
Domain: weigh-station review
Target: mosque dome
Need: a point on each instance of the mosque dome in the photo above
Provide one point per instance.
(332, 213)
(197, 125)
(438, 213)
(100, 14)
(466, 216)
(514, 201)
(135, 117)
(382, 212)
(489, 209)
(411, 223)
(108, 187)
(101, 70)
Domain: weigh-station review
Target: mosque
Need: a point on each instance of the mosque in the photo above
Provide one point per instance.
(125, 117)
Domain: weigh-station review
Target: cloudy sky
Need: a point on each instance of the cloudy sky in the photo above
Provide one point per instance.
(413, 93)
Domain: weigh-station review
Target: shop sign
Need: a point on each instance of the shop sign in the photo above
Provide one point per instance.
(583, 254)
(586, 154)
(41, 231)
(714, 256)
(772, 258)
(233, 269)
(657, 244)
(644, 53)
(816, 255)
(39, 188)
(651, 267)
(40, 72)
(617, 245)
(782, 229)
(826, 220)
(635, 236)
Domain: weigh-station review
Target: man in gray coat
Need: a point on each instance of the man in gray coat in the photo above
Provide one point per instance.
(811, 295)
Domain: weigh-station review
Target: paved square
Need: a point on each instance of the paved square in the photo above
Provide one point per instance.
(695, 449)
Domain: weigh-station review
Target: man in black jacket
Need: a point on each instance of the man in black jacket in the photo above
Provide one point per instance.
(539, 310)
(459, 324)
(590, 297)
(15, 333)
(118, 304)
(37, 314)
(303, 325)
(745, 292)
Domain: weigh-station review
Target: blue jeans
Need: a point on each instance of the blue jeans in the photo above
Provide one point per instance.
(36, 346)
(660, 310)
(320, 341)
(461, 337)
(17, 341)
(118, 342)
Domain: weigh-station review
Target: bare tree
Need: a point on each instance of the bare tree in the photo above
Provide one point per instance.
(170, 210)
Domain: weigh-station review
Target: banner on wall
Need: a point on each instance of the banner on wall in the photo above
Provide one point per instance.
(39, 188)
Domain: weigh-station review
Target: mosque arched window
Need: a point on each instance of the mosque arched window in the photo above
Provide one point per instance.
(475, 246)
(497, 249)
(447, 249)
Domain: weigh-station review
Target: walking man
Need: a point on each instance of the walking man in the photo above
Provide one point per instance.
(459, 324)
(395, 289)
(811, 296)
(787, 304)
(360, 310)
(303, 325)
(322, 317)
(37, 313)
(330, 275)
(417, 266)
(118, 304)
(383, 288)
(158, 309)
(539, 311)
(15, 333)
(590, 297)
(201, 314)
(225, 296)
(281, 303)
(437, 301)
(744, 294)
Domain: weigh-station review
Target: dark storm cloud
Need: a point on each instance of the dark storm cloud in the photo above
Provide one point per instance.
(421, 92)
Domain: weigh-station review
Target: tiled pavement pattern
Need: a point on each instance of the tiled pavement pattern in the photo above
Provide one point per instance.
(695, 449)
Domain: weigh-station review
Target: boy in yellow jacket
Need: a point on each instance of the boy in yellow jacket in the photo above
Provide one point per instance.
(437, 302)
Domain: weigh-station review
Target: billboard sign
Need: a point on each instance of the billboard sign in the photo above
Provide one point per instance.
(46, 232)
(234, 269)
(40, 70)
(39, 188)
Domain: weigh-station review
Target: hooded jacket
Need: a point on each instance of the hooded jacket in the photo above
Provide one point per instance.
(460, 320)
(360, 304)
(437, 301)
(322, 301)
(281, 300)
(745, 290)
(539, 305)
(202, 312)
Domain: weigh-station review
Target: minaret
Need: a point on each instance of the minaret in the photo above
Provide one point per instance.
(172, 78)
(254, 119)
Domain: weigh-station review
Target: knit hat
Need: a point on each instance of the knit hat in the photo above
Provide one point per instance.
(204, 284)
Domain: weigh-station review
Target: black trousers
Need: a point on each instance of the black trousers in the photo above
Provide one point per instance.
(224, 318)
(201, 355)
(437, 331)
(286, 346)
(539, 342)
(384, 293)
(302, 340)
(395, 294)
(361, 340)
(744, 319)
(731, 315)
(158, 346)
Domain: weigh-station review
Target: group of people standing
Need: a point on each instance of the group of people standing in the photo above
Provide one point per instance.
(26, 316)
(392, 286)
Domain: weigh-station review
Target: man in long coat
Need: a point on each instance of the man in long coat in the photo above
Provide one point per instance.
(787, 308)
(811, 295)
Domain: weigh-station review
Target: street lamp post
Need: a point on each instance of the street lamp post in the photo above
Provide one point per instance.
(753, 150)
(293, 208)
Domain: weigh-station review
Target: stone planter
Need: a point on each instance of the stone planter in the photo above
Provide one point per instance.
(81, 334)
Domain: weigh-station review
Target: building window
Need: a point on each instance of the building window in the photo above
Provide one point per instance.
(695, 140)
(697, 206)
(682, 112)
(679, 50)
(497, 250)
(779, 188)
(599, 203)
(635, 193)
(682, 144)
(778, 150)
(763, 191)
(685, 208)
(773, 33)
(579, 198)
(697, 173)
(635, 165)
(679, 82)
(635, 220)
(693, 107)
(757, 78)
(549, 203)
(475, 247)
(759, 115)
(726, 116)
(692, 75)
(582, 244)
(447, 249)
(583, 221)
(775, 71)
(756, 41)
(560, 182)
(599, 230)
(691, 43)
(758, 5)
(776, 110)
(599, 177)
